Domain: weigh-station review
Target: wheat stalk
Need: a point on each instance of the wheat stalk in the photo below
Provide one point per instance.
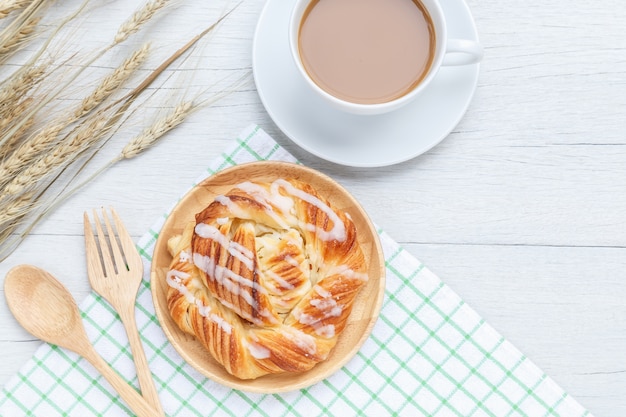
(18, 136)
(20, 196)
(151, 135)
(20, 84)
(13, 141)
(15, 112)
(34, 58)
(66, 152)
(20, 37)
(32, 148)
(44, 140)
(138, 19)
(113, 81)
(8, 6)
(41, 142)
(21, 192)
(10, 218)
(148, 137)
(15, 209)
(24, 84)
(31, 175)
(11, 31)
(133, 25)
(18, 199)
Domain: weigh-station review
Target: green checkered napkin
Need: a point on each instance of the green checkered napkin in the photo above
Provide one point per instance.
(429, 354)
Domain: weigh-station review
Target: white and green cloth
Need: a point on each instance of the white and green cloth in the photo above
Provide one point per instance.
(429, 354)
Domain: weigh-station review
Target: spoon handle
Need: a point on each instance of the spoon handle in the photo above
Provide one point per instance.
(136, 402)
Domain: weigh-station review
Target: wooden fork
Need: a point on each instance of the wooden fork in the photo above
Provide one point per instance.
(115, 272)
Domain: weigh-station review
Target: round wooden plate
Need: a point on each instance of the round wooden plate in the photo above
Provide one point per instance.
(365, 309)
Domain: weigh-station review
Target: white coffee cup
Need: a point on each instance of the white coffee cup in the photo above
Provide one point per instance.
(447, 52)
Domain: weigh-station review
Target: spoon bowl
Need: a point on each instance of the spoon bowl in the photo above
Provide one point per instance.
(42, 305)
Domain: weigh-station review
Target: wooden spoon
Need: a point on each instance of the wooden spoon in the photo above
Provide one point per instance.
(46, 309)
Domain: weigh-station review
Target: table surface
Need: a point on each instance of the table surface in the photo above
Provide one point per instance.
(520, 209)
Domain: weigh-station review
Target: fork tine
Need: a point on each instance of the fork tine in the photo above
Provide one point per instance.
(107, 257)
(94, 266)
(118, 258)
(133, 259)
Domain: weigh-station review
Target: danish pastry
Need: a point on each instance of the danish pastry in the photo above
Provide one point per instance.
(265, 277)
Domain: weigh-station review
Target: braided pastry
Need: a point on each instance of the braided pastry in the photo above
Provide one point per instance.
(265, 277)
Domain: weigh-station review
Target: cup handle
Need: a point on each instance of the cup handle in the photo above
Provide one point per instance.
(462, 52)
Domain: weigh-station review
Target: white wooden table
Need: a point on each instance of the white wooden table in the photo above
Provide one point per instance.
(520, 209)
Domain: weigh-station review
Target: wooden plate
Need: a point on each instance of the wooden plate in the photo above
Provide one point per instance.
(365, 309)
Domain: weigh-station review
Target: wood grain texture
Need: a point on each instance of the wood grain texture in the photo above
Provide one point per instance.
(520, 210)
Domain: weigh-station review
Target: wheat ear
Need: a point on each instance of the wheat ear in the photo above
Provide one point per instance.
(138, 19)
(151, 135)
(17, 86)
(58, 157)
(17, 109)
(33, 147)
(9, 33)
(15, 209)
(138, 144)
(21, 194)
(34, 58)
(8, 6)
(113, 81)
(20, 37)
(44, 140)
(16, 137)
(11, 217)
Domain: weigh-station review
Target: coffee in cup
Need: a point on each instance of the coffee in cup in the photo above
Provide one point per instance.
(372, 56)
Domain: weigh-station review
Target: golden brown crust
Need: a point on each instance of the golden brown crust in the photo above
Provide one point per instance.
(265, 278)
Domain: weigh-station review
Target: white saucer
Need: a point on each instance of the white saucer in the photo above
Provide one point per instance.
(353, 140)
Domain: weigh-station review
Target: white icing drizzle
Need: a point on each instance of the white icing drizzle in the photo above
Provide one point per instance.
(327, 331)
(185, 256)
(322, 292)
(231, 281)
(307, 319)
(292, 261)
(220, 321)
(274, 198)
(304, 341)
(174, 279)
(338, 231)
(268, 200)
(231, 307)
(243, 254)
(232, 207)
(282, 283)
(261, 196)
(268, 315)
(348, 272)
(328, 306)
(222, 220)
(257, 351)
